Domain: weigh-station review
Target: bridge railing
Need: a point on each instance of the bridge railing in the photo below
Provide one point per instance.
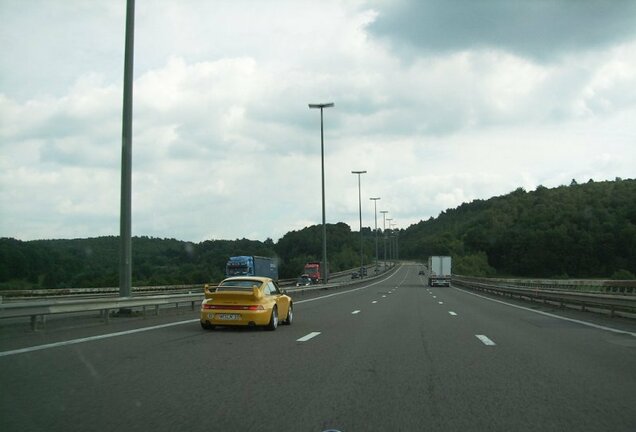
(611, 296)
(105, 302)
(26, 295)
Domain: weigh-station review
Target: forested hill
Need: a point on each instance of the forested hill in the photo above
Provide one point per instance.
(94, 262)
(577, 231)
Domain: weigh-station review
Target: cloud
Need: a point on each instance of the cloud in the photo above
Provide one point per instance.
(225, 146)
(542, 30)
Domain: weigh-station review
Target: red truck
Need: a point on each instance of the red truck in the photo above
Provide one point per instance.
(314, 271)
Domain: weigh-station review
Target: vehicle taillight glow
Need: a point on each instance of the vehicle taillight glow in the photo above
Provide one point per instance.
(234, 307)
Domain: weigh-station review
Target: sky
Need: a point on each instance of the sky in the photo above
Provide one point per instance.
(442, 102)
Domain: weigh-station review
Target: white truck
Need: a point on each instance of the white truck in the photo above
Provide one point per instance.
(439, 268)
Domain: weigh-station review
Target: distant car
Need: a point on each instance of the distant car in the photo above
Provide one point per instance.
(355, 275)
(422, 272)
(246, 301)
(303, 280)
(364, 271)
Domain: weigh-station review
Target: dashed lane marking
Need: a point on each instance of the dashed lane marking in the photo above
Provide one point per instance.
(452, 313)
(355, 312)
(308, 336)
(485, 340)
(144, 329)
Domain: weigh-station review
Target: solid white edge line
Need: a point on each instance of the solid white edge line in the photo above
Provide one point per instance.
(308, 336)
(127, 332)
(91, 338)
(345, 292)
(485, 340)
(585, 323)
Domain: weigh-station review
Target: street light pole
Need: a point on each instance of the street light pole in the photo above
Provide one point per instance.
(322, 170)
(390, 244)
(360, 212)
(125, 257)
(395, 242)
(384, 212)
(375, 214)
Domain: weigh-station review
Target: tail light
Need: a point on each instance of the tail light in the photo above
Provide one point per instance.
(233, 307)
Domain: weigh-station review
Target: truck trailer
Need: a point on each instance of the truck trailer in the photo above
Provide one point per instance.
(439, 268)
(252, 266)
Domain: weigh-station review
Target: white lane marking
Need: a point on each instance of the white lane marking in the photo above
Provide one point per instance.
(123, 333)
(355, 312)
(585, 323)
(383, 296)
(374, 301)
(91, 338)
(452, 313)
(345, 292)
(440, 302)
(435, 297)
(485, 340)
(308, 336)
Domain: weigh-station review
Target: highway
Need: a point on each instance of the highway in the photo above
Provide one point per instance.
(390, 355)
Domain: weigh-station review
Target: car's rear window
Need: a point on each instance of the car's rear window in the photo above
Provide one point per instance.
(238, 285)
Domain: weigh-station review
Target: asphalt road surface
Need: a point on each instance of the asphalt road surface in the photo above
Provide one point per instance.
(391, 355)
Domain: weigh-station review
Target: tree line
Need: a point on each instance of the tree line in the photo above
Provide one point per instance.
(94, 262)
(576, 231)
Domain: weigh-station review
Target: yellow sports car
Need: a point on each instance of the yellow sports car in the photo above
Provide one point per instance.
(246, 301)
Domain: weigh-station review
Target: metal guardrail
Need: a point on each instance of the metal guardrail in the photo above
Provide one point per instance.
(549, 292)
(38, 309)
(575, 285)
(25, 295)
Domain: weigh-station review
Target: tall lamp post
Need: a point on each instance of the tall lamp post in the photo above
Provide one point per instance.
(125, 255)
(322, 170)
(395, 242)
(360, 212)
(384, 212)
(375, 214)
(390, 250)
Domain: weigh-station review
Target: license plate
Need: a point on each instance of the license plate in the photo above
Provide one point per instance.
(229, 317)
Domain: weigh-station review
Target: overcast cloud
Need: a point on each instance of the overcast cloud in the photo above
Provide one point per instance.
(442, 102)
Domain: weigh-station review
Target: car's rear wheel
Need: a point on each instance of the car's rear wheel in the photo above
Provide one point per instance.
(273, 321)
(206, 326)
(290, 315)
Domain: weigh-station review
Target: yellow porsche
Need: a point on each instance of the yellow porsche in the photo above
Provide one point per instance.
(246, 301)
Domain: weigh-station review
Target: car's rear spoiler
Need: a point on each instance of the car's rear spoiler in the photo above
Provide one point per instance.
(227, 294)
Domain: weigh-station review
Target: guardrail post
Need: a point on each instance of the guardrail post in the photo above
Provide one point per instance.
(34, 322)
(106, 315)
(157, 310)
